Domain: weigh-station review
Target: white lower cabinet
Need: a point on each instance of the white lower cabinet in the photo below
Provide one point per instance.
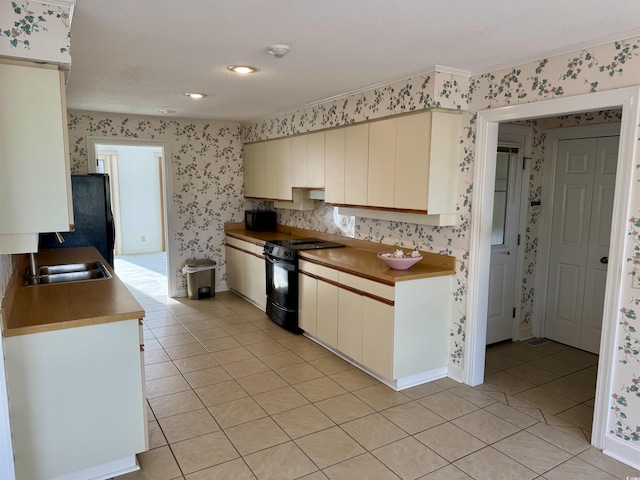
(256, 286)
(77, 401)
(235, 269)
(245, 270)
(350, 324)
(398, 332)
(308, 304)
(377, 336)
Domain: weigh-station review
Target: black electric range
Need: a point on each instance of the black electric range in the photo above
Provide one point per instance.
(281, 265)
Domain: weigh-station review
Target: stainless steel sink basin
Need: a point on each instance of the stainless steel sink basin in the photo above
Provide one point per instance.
(70, 272)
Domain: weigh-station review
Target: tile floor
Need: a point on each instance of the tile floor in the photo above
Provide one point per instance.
(233, 396)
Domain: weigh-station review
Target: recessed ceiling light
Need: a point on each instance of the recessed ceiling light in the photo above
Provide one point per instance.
(196, 95)
(242, 69)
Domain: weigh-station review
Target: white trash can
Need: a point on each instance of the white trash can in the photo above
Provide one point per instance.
(201, 278)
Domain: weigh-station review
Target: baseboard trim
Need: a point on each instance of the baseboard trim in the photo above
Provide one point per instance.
(622, 451)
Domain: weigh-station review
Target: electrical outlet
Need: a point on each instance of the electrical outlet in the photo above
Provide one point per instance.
(635, 279)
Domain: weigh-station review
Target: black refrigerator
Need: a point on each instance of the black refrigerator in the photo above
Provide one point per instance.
(93, 218)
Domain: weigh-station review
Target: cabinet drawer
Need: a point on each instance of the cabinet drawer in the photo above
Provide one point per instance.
(248, 246)
(305, 266)
(328, 273)
(368, 286)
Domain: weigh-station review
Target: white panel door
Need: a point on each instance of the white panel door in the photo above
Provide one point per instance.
(598, 253)
(581, 227)
(504, 247)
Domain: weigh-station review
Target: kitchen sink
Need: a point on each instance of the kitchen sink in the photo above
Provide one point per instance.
(69, 272)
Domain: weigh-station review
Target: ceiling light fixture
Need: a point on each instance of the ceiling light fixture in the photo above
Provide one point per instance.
(196, 96)
(167, 111)
(242, 69)
(278, 51)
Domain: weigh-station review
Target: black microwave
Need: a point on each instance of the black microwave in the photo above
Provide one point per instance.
(260, 220)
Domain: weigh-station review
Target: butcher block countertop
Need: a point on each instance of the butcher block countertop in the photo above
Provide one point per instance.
(42, 308)
(359, 257)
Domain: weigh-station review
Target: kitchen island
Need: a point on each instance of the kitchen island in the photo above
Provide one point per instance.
(393, 324)
(75, 373)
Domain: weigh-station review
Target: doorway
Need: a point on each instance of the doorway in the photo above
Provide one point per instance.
(511, 192)
(484, 177)
(140, 189)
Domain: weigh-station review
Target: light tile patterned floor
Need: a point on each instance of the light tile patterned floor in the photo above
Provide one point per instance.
(233, 396)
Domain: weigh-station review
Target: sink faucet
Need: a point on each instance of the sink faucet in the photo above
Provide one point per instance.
(33, 266)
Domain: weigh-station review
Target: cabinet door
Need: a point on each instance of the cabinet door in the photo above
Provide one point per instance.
(327, 313)
(283, 147)
(254, 172)
(255, 279)
(260, 172)
(35, 181)
(334, 153)
(377, 337)
(382, 163)
(308, 303)
(412, 161)
(235, 269)
(350, 324)
(446, 129)
(271, 165)
(356, 163)
(299, 167)
(315, 160)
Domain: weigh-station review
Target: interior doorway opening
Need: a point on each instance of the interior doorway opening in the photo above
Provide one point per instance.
(141, 184)
(488, 122)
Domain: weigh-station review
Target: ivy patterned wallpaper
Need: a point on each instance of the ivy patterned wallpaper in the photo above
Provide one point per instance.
(35, 31)
(613, 65)
(207, 175)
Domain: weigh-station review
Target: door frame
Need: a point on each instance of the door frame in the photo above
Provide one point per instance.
(482, 201)
(546, 215)
(520, 137)
(167, 192)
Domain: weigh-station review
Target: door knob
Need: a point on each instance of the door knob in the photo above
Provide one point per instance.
(604, 260)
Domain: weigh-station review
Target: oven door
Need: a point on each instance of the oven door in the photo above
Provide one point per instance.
(282, 282)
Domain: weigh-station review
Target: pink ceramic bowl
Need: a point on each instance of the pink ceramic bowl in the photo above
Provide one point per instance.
(399, 263)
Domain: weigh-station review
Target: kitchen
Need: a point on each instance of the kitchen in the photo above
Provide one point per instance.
(453, 241)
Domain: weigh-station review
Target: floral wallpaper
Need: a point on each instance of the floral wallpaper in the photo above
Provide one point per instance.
(35, 31)
(609, 66)
(206, 158)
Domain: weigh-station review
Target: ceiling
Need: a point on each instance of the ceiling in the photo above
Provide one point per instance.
(141, 56)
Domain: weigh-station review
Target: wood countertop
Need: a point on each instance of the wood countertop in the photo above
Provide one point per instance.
(359, 257)
(42, 308)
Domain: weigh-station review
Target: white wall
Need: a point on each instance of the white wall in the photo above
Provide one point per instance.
(138, 205)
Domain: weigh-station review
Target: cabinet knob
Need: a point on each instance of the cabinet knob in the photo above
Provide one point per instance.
(604, 260)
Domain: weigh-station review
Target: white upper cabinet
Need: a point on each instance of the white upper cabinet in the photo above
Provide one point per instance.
(307, 160)
(35, 180)
(254, 171)
(334, 152)
(406, 164)
(277, 156)
(356, 164)
(382, 159)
